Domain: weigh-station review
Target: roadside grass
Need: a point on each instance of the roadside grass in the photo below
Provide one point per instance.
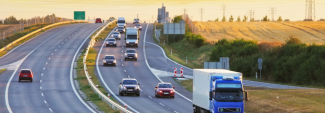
(266, 100)
(182, 49)
(27, 30)
(84, 85)
(104, 33)
(2, 70)
(258, 80)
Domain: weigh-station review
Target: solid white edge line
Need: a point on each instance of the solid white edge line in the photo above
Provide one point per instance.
(13, 74)
(71, 72)
(101, 78)
(145, 59)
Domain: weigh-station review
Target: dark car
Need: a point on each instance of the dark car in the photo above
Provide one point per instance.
(111, 42)
(138, 26)
(26, 74)
(164, 90)
(116, 35)
(98, 20)
(136, 20)
(129, 86)
(109, 60)
(131, 54)
(121, 29)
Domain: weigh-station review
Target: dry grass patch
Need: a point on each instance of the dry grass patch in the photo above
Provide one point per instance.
(2, 70)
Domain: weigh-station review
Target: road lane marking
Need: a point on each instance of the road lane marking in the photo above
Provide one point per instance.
(46, 63)
(42, 74)
(42, 95)
(55, 49)
(52, 53)
(40, 81)
(49, 58)
(149, 96)
(50, 109)
(124, 70)
(40, 87)
(71, 73)
(59, 46)
(161, 104)
(45, 102)
(122, 65)
(44, 68)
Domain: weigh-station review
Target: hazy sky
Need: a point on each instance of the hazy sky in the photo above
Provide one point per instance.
(288, 9)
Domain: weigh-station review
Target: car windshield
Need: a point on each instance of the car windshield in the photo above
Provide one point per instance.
(25, 71)
(110, 39)
(130, 51)
(132, 37)
(120, 27)
(165, 86)
(228, 96)
(109, 57)
(121, 21)
(129, 82)
(116, 33)
(137, 25)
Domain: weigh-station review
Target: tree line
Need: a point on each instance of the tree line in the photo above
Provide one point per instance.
(245, 19)
(14, 20)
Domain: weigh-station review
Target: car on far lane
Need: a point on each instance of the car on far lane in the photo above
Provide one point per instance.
(138, 26)
(109, 60)
(129, 86)
(98, 20)
(111, 42)
(121, 29)
(131, 54)
(26, 74)
(136, 20)
(116, 35)
(164, 89)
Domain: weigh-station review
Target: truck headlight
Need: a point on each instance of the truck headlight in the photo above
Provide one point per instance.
(221, 109)
(127, 42)
(114, 61)
(136, 55)
(125, 54)
(124, 87)
(104, 61)
(136, 42)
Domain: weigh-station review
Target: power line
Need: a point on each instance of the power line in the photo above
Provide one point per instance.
(251, 14)
(310, 10)
(273, 12)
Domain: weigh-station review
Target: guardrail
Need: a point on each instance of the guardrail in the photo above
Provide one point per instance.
(34, 32)
(108, 101)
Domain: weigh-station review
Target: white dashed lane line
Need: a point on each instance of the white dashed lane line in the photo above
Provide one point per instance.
(42, 74)
(42, 95)
(44, 68)
(55, 49)
(40, 87)
(45, 102)
(161, 104)
(50, 109)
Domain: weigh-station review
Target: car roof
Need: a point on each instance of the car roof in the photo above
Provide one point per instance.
(111, 38)
(164, 83)
(130, 49)
(129, 79)
(26, 69)
(109, 55)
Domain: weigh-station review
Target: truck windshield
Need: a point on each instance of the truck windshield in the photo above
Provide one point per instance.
(229, 96)
(121, 21)
(132, 37)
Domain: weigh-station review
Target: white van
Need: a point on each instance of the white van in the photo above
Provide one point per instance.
(121, 21)
(132, 37)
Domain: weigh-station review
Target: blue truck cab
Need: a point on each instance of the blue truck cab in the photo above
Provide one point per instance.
(223, 89)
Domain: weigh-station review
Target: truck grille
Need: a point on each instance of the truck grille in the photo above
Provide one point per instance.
(229, 110)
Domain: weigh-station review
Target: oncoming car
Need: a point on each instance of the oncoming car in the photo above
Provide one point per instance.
(109, 60)
(111, 42)
(131, 54)
(138, 26)
(164, 89)
(116, 35)
(129, 86)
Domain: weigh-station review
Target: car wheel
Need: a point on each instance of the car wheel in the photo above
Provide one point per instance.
(136, 59)
(124, 59)
(103, 64)
(115, 45)
(31, 80)
(115, 65)
(19, 80)
(138, 94)
(173, 96)
(119, 93)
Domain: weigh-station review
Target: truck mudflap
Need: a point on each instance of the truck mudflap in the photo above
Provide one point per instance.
(198, 109)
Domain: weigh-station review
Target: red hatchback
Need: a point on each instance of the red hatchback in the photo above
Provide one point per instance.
(26, 74)
(164, 90)
(98, 20)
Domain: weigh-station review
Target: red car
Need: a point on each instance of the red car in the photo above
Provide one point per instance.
(98, 20)
(26, 74)
(164, 90)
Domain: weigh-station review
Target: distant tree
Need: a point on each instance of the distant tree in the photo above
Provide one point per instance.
(265, 19)
(1, 22)
(231, 19)
(177, 19)
(216, 20)
(252, 20)
(224, 19)
(111, 18)
(279, 19)
(11, 20)
(293, 40)
(238, 19)
(245, 18)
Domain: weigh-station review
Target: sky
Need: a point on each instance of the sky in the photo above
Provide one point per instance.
(147, 10)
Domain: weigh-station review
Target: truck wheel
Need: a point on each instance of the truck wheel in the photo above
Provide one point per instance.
(124, 59)
(136, 59)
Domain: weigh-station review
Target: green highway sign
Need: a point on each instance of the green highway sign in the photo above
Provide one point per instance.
(79, 15)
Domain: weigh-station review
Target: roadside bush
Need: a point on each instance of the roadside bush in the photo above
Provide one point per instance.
(197, 40)
(293, 62)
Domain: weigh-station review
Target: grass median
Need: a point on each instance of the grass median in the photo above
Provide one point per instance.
(83, 82)
(2, 70)
(20, 34)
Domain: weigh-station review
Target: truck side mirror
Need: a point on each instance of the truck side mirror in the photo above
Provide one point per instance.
(210, 95)
(173, 87)
(120, 82)
(246, 96)
(156, 87)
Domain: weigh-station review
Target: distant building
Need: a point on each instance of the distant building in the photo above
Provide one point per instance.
(159, 18)
(162, 15)
(167, 14)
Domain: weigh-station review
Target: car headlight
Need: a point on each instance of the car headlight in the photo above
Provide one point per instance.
(136, 55)
(136, 42)
(124, 87)
(104, 61)
(171, 91)
(114, 61)
(136, 87)
(127, 42)
(114, 42)
(125, 54)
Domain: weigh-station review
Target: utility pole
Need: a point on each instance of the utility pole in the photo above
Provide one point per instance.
(310, 10)
(152, 19)
(251, 15)
(137, 15)
(223, 8)
(201, 11)
(273, 12)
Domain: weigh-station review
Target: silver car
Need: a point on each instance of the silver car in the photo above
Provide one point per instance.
(111, 42)
(129, 86)
(116, 35)
(109, 60)
(121, 29)
(138, 26)
(131, 54)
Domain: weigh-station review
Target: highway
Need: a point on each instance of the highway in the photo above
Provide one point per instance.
(147, 102)
(50, 56)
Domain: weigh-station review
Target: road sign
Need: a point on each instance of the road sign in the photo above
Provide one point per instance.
(260, 61)
(79, 15)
